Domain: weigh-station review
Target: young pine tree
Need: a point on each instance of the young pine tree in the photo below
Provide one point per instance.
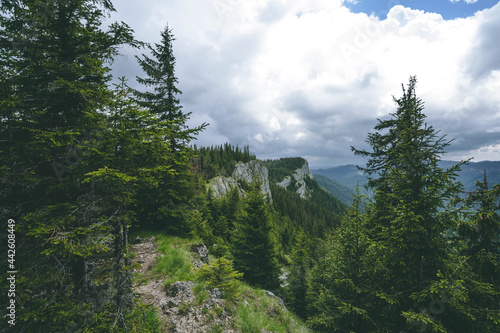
(253, 246)
(340, 295)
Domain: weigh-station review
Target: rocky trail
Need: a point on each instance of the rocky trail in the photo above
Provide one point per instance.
(176, 304)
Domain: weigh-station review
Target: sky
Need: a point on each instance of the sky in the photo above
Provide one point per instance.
(310, 78)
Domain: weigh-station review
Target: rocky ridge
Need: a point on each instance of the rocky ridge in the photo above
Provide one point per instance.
(299, 176)
(243, 172)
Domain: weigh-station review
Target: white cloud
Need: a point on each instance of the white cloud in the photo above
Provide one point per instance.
(466, 1)
(309, 78)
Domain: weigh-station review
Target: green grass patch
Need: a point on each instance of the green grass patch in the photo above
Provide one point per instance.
(200, 292)
(260, 311)
(175, 264)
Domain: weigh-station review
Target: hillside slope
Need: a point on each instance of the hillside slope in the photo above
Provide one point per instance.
(166, 279)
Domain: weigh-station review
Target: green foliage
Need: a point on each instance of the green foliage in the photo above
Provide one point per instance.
(297, 280)
(253, 246)
(280, 168)
(259, 312)
(163, 203)
(163, 101)
(409, 216)
(219, 273)
(174, 263)
(340, 297)
(315, 216)
(480, 232)
(221, 160)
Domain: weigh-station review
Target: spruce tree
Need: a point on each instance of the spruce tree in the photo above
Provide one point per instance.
(162, 206)
(481, 232)
(341, 291)
(409, 215)
(253, 246)
(55, 55)
(162, 100)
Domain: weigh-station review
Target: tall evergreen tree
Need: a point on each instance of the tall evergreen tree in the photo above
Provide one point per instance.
(163, 100)
(296, 289)
(55, 56)
(481, 232)
(409, 216)
(253, 246)
(162, 206)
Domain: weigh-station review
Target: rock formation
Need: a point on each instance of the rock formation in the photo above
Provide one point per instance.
(300, 183)
(243, 172)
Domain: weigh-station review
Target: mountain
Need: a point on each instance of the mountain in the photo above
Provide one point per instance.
(341, 180)
(342, 192)
(290, 186)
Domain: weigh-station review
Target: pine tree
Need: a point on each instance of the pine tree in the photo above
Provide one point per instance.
(163, 206)
(55, 55)
(253, 246)
(163, 101)
(297, 280)
(409, 216)
(481, 232)
(340, 295)
(219, 273)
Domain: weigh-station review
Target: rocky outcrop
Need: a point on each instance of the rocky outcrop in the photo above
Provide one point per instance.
(299, 175)
(201, 255)
(178, 309)
(243, 172)
(221, 186)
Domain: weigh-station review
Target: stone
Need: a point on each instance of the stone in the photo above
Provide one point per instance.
(300, 176)
(270, 294)
(248, 172)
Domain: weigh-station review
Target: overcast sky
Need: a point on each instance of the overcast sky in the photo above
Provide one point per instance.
(309, 78)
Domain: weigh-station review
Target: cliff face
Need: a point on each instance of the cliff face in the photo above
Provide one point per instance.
(299, 176)
(247, 172)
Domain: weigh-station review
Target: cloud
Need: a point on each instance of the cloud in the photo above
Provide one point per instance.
(466, 1)
(310, 78)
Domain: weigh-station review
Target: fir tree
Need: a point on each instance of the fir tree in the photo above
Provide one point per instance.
(253, 246)
(481, 232)
(163, 205)
(409, 217)
(163, 100)
(340, 295)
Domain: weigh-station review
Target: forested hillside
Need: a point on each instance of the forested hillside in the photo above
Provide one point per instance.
(88, 167)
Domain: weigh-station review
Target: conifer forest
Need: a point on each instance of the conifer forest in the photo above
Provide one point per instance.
(90, 167)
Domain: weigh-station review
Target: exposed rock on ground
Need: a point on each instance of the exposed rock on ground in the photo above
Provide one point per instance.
(176, 303)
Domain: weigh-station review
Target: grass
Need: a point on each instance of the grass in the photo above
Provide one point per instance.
(261, 311)
(175, 264)
(200, 292)
(251, 312)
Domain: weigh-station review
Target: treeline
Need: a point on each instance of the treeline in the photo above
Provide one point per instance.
(280, 168)
(221, 160)
(81, 162)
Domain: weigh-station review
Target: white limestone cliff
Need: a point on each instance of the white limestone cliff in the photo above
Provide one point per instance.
(299, 175)
(247, 172)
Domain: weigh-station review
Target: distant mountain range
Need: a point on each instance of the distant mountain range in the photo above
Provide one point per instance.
(342, 180)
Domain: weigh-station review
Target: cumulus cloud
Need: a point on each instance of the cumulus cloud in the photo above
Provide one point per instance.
(310, 78)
